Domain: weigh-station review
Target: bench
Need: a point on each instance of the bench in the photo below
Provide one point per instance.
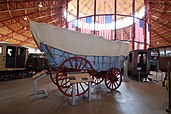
(78, 77)
(36, 77)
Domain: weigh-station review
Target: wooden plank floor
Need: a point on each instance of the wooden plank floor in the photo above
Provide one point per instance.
(16, 97)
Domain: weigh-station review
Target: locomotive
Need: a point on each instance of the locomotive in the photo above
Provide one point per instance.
(16, 62)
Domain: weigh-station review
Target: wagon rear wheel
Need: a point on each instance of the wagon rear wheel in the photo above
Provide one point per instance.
(73, 64)
(113, 78)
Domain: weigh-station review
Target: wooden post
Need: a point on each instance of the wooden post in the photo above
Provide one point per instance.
(149, 17)
(145, 21)
(94, 16)
(66, 22)
(169, 87)
(77, 14)
(115, 18)
(133, 25)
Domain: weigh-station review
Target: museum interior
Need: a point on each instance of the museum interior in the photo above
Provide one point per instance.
(85, 56)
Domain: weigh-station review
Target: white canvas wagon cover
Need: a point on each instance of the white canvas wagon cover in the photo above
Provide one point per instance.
(75, 42)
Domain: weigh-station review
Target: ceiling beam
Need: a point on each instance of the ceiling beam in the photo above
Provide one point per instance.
(30, 4)
(20, 19)
(163, 24)
(20, 31)
(161, 10)
(31, 38)
(160, 36)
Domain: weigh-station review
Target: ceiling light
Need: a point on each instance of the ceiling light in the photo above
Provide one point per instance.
(25, 18)
(25, 28)
(157, 42)
(40, 5)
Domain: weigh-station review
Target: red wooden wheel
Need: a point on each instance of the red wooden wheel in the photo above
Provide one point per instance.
(73, 64)
(113, 78)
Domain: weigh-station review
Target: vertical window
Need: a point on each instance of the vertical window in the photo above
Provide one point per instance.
(162, 52)
(130, 57)
(168, 51)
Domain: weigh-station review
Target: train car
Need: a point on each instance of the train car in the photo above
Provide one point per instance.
(36, 62)
(139, 62)
(12, 61)
(154, 59)
(164, 56)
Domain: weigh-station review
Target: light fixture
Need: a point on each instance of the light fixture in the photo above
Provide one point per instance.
(25, 18)
(40, 4)
(157, 42)
(25, 28)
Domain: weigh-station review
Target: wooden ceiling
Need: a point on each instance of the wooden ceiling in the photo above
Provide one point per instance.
(86, 7)
(14, 27)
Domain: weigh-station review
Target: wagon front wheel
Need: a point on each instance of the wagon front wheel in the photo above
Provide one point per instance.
(73, 64)
(113, 78)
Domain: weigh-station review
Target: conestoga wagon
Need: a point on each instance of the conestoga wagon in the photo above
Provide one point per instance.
(71, 51)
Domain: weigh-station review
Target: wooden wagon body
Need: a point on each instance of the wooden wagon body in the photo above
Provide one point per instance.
(70, 51)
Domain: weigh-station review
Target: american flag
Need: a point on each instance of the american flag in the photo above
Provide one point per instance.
(105, 32)
(85, 25)
(148, 34)
(139, 33)
(72, 25)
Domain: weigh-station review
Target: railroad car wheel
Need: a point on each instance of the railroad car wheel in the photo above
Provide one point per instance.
(17, 75)
(2, 77)
(113, 78)
(73, 64)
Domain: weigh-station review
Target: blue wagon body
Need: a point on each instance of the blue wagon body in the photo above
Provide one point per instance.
(100, 63)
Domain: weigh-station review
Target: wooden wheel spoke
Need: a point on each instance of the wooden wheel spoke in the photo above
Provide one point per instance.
(109, 84)
(84, 65)
(76, 63)
(80, 64)
(67, 89)
(65, 83)
(70, 63)
(61, 82)
(114, 84)
(61, 76)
